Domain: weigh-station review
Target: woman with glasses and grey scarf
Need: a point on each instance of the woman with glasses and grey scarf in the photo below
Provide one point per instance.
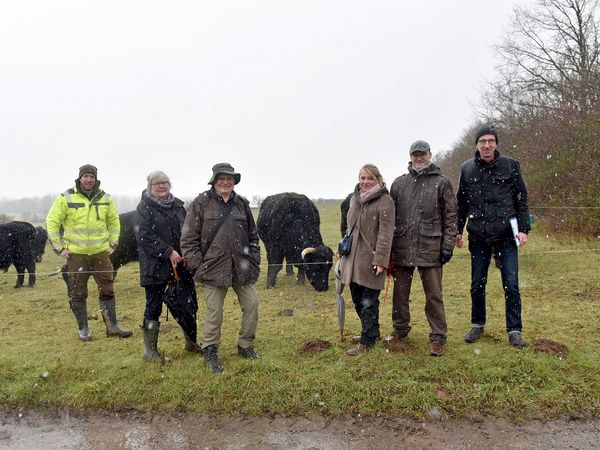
(157, 225)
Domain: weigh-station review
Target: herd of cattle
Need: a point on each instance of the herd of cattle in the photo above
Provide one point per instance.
(288, 224)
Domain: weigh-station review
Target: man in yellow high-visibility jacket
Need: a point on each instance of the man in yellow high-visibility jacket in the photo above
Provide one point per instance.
(83, 227)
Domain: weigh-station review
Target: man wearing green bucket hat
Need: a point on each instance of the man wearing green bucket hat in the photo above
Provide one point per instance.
(220, 242)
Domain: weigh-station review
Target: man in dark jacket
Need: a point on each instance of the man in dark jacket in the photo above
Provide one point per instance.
(491, 195)
(220, 242)
(424, 238)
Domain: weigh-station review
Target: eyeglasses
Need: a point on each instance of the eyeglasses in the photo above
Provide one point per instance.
(161, 183)
(486, 141)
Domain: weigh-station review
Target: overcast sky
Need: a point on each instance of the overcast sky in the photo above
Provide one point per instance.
(296, 95)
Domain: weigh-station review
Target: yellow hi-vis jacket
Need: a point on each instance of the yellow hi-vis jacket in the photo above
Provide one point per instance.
(89, 226)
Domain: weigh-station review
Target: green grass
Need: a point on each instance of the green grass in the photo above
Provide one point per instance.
(42, 362)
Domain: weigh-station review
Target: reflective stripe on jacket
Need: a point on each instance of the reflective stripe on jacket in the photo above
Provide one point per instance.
(83, 225)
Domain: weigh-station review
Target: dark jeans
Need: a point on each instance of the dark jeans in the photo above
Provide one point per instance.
(154, 301)
(366, 304)
(508, 257)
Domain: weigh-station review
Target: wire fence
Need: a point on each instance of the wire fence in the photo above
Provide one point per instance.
(564, 207)
(126, 269)
(296, 264)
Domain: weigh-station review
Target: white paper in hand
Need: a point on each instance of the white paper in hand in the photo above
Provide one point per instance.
(515, 229)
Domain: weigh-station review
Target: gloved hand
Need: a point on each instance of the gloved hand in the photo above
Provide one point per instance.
(446, 256)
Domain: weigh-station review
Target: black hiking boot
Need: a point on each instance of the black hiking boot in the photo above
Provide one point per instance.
(474, 334)
(516, 339)
(248, 353)
(211, 356)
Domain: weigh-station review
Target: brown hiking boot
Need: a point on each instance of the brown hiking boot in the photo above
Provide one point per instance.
(356, 339)
(396, 336)
(437, 349)
(360, 348)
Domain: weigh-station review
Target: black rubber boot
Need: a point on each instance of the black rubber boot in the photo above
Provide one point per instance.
(191, 346)
(211, 356)
(150, 330)
(79, 308)
(109, 315)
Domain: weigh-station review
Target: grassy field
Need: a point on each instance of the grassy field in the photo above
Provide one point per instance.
(42, 362)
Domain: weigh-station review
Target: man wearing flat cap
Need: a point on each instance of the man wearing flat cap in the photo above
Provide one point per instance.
(220, 242)
(491, 195)
(424, 239)
(83, 227)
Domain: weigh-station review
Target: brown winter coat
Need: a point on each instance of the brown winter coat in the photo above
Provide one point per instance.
(234, 256)
(371, 238)
(425, 218)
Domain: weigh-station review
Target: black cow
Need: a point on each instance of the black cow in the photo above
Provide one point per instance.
(125, 252)
(288, 224)
(39, 246)
(17, 247)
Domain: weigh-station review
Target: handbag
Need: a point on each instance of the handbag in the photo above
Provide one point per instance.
(345, 244)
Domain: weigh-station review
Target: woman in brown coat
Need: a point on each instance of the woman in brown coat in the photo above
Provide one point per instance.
(372, 210)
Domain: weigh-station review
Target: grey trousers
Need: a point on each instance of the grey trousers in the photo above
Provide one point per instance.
(431, 277)
(215, 299)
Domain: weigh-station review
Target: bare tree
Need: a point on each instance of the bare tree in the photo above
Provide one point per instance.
(257, 201)
(550, 61)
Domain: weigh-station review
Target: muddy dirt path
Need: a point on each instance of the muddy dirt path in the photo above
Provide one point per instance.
(68, 429)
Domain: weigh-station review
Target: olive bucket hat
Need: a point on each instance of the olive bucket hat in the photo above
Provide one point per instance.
(227, 169)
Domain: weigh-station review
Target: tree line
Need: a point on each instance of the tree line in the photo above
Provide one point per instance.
(545, 100)
(34, 209)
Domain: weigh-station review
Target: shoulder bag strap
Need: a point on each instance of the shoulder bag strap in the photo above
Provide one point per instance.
(222, 220)
(356, 221)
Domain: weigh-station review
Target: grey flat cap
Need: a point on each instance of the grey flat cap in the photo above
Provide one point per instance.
(419, 146)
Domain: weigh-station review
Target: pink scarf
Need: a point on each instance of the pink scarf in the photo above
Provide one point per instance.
(364, 195)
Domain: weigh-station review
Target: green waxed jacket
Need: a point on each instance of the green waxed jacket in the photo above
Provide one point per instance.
(425, 218)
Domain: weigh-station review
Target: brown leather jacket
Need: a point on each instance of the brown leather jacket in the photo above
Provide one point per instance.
(425, 218)
(233, 258)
